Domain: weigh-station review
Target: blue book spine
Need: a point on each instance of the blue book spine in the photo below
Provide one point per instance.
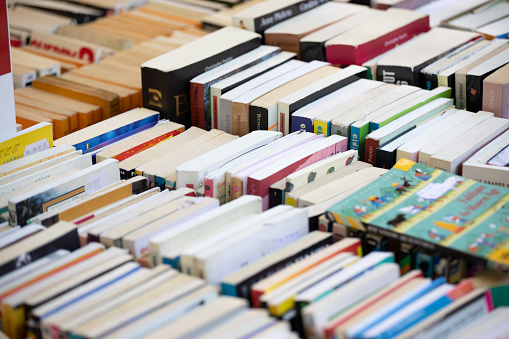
(303, 124)
(173, 262)
(227, 289)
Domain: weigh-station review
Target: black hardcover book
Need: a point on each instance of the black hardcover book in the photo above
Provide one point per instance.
(258, 118)
(165, 79)
(277, 193)
(68, 240)
(312, 50)
(244, 288)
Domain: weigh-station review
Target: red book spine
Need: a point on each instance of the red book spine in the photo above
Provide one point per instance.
(215, 110)
(370, 150)
(146, 145)
(209, 188)
(357, 55)
(197, 105)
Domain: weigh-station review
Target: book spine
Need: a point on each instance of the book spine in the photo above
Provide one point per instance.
(492, 99)
(321, 127)
(460, 87)
(258, 119)
(215, 111)
(474, 93)
(357, 55)
(283, 112)
(197, 105)
(146, 145)
(487, 174)
(357, 138)
(385, 159)
(209, 187)
(429, 81)
(399, 75)
(276, 196)
(236, 188)
(310, 51)
(303, 124)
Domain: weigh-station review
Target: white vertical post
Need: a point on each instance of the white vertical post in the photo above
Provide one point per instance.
(7, 113)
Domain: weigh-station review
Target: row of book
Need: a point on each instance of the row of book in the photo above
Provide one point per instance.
(323, 289)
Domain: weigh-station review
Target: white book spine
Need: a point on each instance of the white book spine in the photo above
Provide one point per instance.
(225, 115)
(487, 174)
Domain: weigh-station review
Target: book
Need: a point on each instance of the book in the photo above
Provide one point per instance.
(451, 156)
(303, 118)
(426, 152)
(239, 283)
(128, 166)
(23, 76)
(43, 66)
(238, 124)
(26, 142)
(209, 221)
(37, 158)
(263, 111)
(496, 93)
(288, 33)
(92, 203)
(222, 118)
(472, 21)
(95, 137)
(240, 107)
(476, 166)
(29, 116)
(495, 29)
(448, 9)
(86, 112)
(201, 104)
(166, 78)
(73, 187)
(261, 16)
(305, 95)
(109, 40)
(402, 125)
(476, 75)
(61, 236)
(139, 142)
(403, 66)
(191, 174)
(258, 183)
(363, 43)
(386, 155)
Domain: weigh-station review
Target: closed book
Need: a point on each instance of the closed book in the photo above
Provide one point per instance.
(496, 93)
(62, 191)
(403, 66)
(263, 112)
(62, 236)
(201, 105)
(305, 95)
(472, 21)
(277, 193)
(165, 79)
(497, 29)
(476, 76)
(26, 142)
(99, 135)
(287, 34)
(378, 36)
(303, 118)
(312, 46)
(236, 117)
(261, 16)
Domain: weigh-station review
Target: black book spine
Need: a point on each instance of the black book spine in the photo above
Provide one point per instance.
(312, 50)
(474, 93)
(140, 186)
(258, 118)
(169, 92)
(68, 241)
(452, 84)
(429, 81)
(385, 159)
(276, 196)
(244, 288)
(397, 75)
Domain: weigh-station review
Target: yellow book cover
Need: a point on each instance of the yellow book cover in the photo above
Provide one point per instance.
(32, 140)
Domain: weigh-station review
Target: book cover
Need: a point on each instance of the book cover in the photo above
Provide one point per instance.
(27, 142)
(165, 83)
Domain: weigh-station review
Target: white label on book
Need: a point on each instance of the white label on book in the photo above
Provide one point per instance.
(97, 181)
(37, 146)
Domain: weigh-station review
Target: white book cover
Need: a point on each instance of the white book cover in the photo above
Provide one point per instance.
(63, 191)
(223, 86)
(450, 157)
(316, 315)
(308, 93)
(80, 162)
(192, 173)
(23, 232)
(444, 139)
(226, 99)
(138, 241)
(208, 222)
(320, 169)
(266, 236)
